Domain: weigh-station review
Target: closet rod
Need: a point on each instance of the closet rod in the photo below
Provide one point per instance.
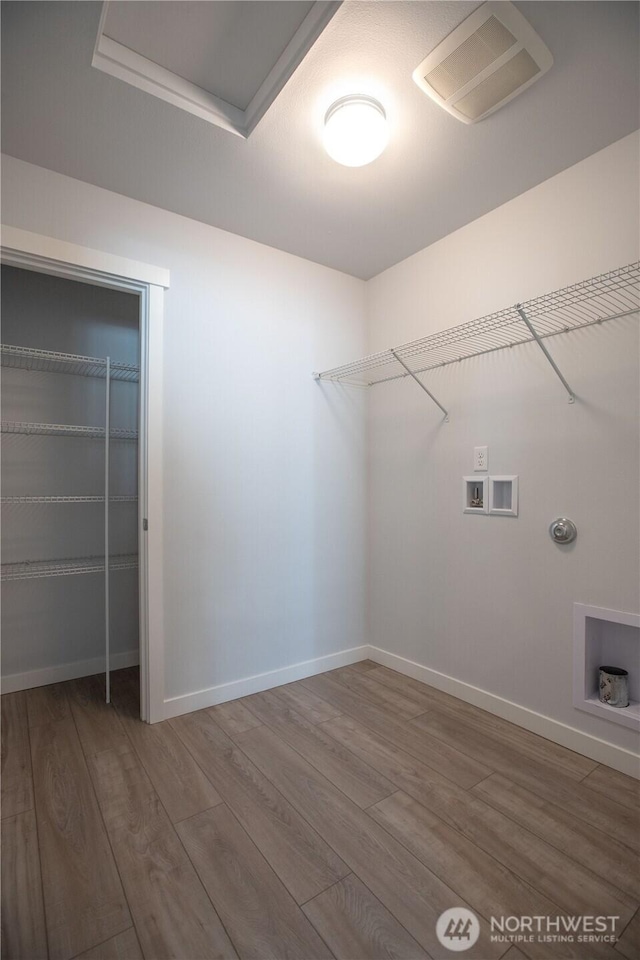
(107, 432)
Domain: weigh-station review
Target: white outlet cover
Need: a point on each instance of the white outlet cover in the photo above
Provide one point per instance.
(481, 459)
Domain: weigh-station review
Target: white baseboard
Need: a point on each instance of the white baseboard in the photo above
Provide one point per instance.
(67, 671)
(176, 706)
(585, 743)
(589, 746)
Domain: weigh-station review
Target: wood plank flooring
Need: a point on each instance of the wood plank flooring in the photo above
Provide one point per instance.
(335, 817)
(16, 781)
(79, 876)
(23, 928)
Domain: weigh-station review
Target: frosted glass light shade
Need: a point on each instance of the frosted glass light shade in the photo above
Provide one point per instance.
(355, 130)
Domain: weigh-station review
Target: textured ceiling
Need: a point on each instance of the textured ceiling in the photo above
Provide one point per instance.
(279, 187)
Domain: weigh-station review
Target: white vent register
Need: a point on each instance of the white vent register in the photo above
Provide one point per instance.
(489, 59)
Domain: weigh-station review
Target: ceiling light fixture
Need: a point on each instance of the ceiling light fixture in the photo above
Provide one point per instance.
(355, 130)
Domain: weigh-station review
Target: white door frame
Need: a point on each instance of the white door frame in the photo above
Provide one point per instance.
(31, 251)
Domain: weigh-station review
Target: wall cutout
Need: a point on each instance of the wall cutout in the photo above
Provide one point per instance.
(503, 496)
(603, 636)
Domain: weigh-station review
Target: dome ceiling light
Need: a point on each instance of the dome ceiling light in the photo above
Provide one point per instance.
(355, 130)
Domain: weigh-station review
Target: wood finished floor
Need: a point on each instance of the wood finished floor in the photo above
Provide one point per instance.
(334, 817)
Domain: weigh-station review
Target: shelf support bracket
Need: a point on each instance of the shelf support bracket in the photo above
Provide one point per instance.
(538, 340)
(421, 384)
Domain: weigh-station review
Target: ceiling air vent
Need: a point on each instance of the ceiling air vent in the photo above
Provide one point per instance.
(490, 58)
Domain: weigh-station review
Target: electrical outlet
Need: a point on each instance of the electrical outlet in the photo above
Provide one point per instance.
(480, 459)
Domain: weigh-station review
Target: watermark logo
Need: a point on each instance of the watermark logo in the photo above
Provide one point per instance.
(457, 929)
(564, 928)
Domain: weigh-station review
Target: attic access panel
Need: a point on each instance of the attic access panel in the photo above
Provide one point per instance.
(225, 62)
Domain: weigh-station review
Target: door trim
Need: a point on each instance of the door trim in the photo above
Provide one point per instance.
(32, 251)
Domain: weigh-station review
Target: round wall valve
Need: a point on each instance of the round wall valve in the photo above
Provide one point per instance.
(563, 530)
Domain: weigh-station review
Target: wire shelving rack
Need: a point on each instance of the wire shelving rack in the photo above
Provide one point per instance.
(33, 569)
(606, 297)
(118, 499)
(66, 430)
(50, 361)
(47, 361)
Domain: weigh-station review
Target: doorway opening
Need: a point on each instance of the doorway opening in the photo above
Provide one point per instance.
(81, 570)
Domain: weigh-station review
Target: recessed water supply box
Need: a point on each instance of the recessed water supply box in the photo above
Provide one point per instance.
(474, 495)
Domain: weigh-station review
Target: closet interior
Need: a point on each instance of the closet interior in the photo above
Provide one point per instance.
(70, 400)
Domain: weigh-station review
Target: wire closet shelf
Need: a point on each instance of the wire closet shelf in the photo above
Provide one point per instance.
(91, 499)
(606, 297)
(66, 430)
(49, 361)
(32, 569)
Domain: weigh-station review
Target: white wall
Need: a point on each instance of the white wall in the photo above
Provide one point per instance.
(488, 600)
(267, 473)
(264, 474)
